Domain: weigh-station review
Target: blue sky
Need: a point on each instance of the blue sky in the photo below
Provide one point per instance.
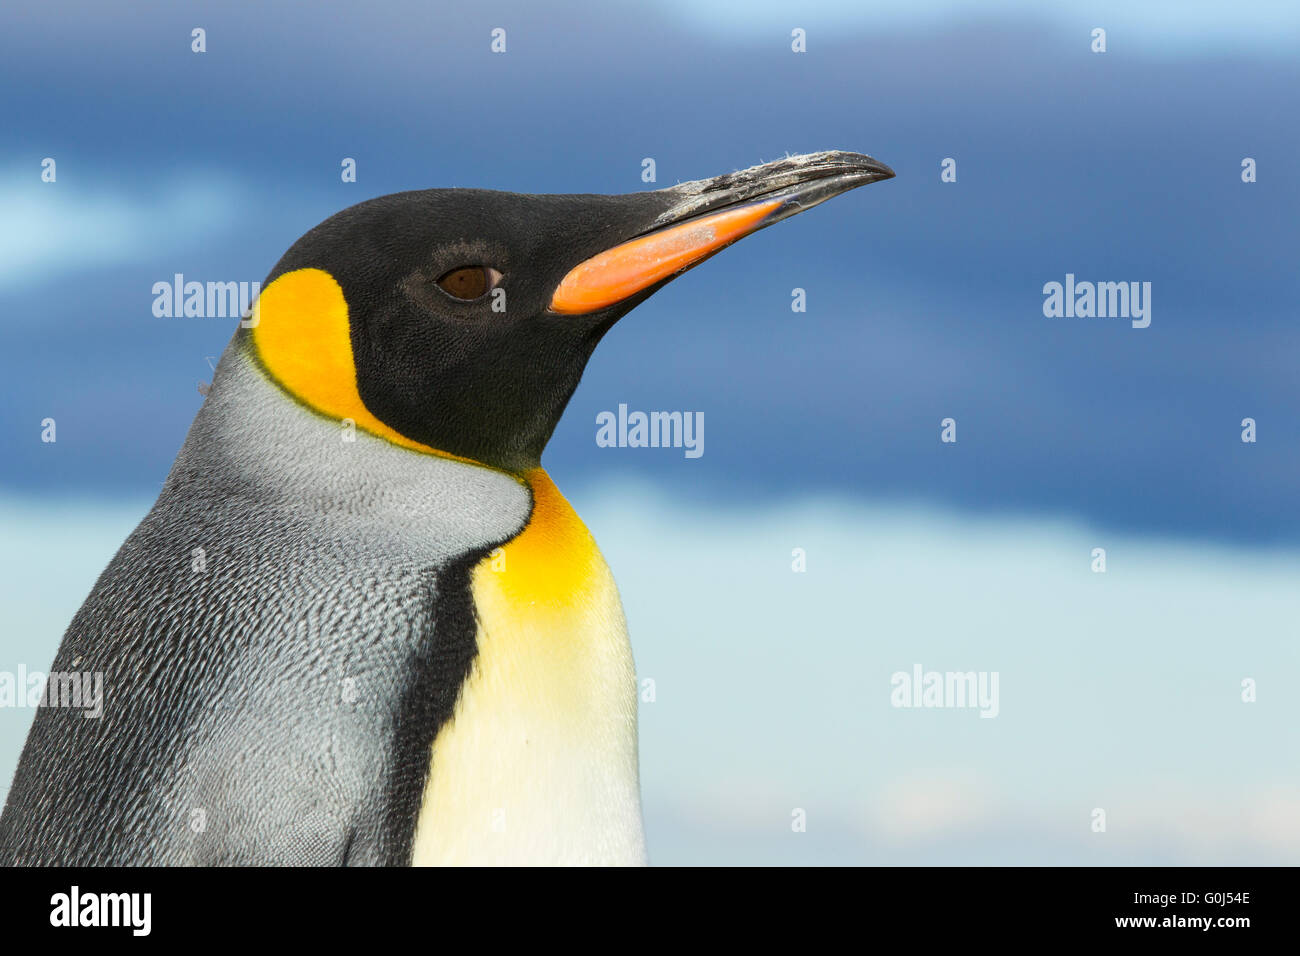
(924, 297)
(924, 302)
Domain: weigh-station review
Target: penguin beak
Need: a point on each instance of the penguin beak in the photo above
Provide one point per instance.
(706, 216)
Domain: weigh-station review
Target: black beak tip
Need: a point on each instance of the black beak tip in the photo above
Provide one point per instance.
(883, 172)
(797, 181)
(852, 163)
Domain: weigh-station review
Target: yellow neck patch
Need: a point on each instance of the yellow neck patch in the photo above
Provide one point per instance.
(303, 339)
(548, 565)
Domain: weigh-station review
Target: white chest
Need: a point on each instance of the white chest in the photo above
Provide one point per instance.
(538, 764)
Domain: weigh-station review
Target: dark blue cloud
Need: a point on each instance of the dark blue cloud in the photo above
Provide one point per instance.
(924, 298)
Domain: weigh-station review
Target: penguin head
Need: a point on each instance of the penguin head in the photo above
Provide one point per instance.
(459, 321)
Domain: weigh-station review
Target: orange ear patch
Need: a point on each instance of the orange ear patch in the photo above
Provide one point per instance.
(303, 339)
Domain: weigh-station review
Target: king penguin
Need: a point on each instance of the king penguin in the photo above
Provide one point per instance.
(360, 625)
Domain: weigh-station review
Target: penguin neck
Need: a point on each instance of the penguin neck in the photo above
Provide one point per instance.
(300, 337)
(256, 449)
(346, 409)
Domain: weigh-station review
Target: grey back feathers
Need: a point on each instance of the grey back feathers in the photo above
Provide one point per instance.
(272, 697)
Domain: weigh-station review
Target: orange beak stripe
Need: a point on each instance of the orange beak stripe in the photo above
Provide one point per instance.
(616, 274)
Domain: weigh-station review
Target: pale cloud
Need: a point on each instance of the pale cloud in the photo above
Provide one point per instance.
(53, 229)
(1155, 26)
(1119, 690)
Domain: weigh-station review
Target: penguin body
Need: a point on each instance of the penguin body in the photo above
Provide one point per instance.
(361, 625)
(239, 737)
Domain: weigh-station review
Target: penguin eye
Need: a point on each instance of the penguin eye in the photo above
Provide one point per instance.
(469, 282)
